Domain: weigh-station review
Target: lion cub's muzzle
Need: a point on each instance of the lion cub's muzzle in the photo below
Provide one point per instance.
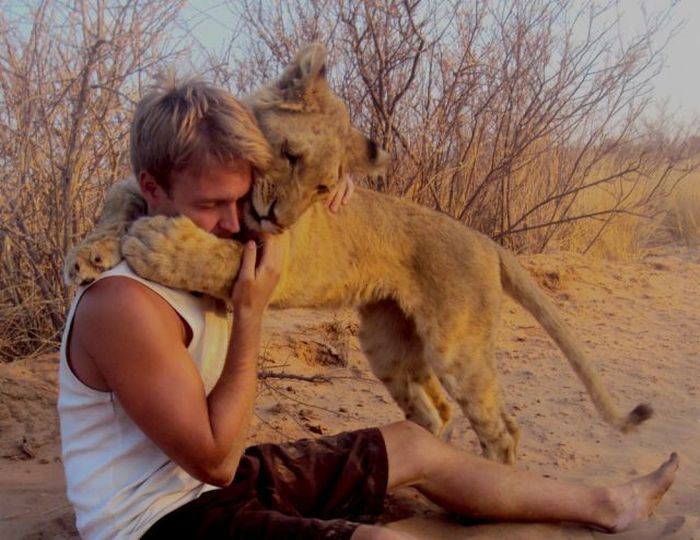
(253, 225)
(267, 222)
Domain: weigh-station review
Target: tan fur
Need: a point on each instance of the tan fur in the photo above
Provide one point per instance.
(428, 289)
(99, 250)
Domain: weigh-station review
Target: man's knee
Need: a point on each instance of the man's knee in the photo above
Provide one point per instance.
(406, 431)
(410, 449)
(370, 532)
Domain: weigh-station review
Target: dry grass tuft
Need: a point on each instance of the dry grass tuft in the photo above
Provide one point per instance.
(617, 229)
(629, 215)
(682, 211)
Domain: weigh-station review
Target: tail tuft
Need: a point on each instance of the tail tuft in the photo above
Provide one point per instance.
(639, 414)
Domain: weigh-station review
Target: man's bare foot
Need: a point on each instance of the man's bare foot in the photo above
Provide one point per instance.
(636, 500)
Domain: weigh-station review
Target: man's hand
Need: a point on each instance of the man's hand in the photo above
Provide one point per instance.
(255, 284)
(340, 194)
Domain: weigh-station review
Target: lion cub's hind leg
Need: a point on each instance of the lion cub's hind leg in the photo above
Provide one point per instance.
(471, 379)
(395, 352)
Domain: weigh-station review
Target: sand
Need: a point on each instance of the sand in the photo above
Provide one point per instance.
(640, 322)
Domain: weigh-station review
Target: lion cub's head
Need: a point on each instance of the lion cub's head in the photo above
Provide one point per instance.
(312, 139)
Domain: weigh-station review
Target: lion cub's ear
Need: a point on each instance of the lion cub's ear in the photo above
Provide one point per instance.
(364, 156)
(304, 78)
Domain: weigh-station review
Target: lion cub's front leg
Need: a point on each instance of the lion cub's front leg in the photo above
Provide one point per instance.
(96, 253)
(178, 254)
(99, 250)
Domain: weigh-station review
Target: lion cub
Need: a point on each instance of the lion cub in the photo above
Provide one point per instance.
(427, 288)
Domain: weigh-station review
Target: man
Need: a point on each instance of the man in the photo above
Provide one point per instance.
(157, 387)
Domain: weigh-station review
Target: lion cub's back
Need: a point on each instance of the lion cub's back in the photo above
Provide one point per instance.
(444, 253)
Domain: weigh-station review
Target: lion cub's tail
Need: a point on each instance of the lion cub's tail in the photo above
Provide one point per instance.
(519, 285)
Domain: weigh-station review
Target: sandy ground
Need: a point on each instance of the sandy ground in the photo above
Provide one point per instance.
(640, 322)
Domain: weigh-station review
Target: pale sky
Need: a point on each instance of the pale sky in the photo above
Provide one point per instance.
(679, 81)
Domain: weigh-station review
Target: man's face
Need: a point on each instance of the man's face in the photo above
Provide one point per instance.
(210, 199)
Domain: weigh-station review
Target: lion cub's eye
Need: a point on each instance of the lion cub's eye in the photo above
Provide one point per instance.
(290, 157)
(321, 188)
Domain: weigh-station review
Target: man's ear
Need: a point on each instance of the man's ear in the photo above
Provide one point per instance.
(364, 156)
(151, 190)
(303, 78)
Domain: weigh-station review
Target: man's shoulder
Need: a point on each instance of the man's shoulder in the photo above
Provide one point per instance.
(120, 300)
(118, 291)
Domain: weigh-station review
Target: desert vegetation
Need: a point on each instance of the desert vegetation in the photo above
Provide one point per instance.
(530, 121)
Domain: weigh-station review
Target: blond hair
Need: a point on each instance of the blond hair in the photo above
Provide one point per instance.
(182, 125)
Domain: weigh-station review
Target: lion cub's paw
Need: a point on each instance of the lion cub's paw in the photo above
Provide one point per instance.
(153, 247)
(89, 259)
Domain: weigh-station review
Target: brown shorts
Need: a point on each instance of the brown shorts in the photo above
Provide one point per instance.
(309, 489)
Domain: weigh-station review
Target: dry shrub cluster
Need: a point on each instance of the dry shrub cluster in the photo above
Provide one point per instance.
(526, 120)
(69, 75)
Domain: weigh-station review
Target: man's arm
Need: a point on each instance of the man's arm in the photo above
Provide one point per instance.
(136, 342)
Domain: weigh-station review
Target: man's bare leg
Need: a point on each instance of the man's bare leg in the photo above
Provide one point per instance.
(373, 532)
(472, 486)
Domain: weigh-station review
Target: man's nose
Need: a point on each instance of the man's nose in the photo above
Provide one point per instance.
(228, 221)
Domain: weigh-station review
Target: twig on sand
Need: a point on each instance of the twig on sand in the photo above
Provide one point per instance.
(266, 374)
(26, 448)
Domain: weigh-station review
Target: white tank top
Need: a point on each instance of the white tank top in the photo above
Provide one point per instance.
(118, 481)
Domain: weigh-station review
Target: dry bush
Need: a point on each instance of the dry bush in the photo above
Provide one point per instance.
(501, 114)
(69, 74)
